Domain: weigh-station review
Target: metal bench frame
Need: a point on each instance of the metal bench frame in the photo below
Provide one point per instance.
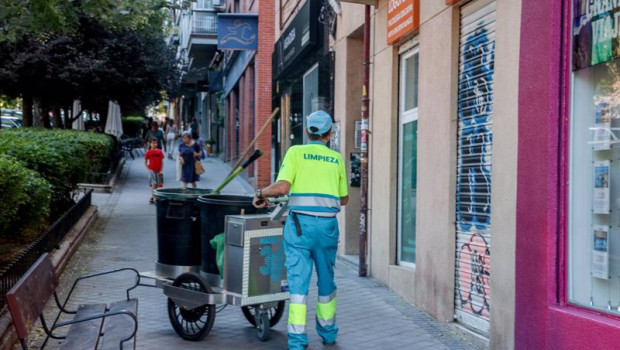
(41, 281)
(132, 144)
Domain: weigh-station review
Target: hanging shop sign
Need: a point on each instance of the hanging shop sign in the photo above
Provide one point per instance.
(403, 18)
(237, 31)
(300, 37)
(596, 29)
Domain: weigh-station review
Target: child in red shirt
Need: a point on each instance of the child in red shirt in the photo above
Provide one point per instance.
(154, 163)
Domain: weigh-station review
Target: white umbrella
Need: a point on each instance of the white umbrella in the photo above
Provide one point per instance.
(113, 125)
(78, 124)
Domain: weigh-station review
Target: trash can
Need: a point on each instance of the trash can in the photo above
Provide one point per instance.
(213, 211)
(178, 231)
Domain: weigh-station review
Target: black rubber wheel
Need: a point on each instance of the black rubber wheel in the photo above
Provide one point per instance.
(274, 314)
(263, 326)
(196, 323)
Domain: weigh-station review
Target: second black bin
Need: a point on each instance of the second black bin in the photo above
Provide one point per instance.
(213, 211)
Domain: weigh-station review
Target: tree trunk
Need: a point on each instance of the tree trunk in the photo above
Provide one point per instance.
(57, 119)
(27, 110)
(44, 115)
(37, 118)
(69, 118)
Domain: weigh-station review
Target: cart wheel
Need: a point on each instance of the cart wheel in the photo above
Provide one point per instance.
(263, 325)
(274, 313)
(196, 323)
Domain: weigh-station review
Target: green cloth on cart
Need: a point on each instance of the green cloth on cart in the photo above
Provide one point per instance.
(218, 243)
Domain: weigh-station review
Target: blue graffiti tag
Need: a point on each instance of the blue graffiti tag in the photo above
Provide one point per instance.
(273, 252)
(475, 115)
(473, 197)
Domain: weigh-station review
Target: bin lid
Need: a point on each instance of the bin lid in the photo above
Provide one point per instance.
(181, 194)
(225, 199)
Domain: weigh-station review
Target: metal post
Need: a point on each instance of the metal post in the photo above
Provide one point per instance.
(364, 159)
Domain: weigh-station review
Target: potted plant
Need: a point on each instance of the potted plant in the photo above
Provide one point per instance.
(210, 142)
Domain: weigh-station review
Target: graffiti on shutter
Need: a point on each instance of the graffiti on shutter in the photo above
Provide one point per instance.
(473, 187)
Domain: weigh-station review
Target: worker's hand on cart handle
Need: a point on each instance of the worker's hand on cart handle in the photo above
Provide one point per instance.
(260, 202)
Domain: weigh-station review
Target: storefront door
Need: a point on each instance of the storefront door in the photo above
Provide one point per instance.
(473, 182)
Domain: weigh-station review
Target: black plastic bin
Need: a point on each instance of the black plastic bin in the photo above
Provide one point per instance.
(213, 211)
(178, 231)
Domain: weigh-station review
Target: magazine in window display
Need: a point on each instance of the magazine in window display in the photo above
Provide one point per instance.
(600, 203)
(602, 124)
(600, 253)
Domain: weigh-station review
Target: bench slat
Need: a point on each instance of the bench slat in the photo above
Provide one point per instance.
(84, 335)
(29, 295)
(119, 327)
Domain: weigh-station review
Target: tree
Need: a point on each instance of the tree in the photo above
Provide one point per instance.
(45, 18)
(94, 62)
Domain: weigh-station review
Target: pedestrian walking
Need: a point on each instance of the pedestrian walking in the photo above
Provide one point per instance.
(171, 136)
(189, 154)
(154, 163)
(315, 178)
(155, 132)
(194, 128)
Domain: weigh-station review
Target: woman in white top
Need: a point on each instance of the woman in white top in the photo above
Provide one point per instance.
(171, 135)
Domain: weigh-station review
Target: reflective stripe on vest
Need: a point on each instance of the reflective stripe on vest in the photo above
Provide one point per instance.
(314, 204)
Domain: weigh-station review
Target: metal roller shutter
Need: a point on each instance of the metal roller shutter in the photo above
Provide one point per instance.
(473, 186)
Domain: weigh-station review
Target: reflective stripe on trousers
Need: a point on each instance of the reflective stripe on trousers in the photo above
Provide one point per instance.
(326, 310)
(297, 314)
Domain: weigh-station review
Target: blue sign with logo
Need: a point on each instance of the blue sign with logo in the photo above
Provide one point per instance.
(237, 31)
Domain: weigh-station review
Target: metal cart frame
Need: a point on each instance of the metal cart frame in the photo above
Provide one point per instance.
(193, 297)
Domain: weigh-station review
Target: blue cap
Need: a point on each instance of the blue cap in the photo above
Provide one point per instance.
(318, 123)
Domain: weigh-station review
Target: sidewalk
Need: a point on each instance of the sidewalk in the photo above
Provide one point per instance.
(369, 315)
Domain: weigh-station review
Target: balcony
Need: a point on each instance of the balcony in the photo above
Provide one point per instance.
(204, 22)
(201, 43)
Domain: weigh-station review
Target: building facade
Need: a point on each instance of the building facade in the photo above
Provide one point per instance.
(442, 161)
(195, 34)
(243, 76)
(492, 186)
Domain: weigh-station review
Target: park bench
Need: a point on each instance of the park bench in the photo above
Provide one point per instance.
(93, 326)
(128, 146)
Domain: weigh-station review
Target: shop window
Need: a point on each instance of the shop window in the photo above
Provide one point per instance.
(407, 160)
(594, 163)
(594, 227)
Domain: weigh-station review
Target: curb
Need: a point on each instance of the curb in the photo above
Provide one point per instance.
(60, 258)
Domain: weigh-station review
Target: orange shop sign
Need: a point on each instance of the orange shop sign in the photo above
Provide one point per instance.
(403, 17)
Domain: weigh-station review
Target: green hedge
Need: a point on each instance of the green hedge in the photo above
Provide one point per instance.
(132, 125)
(62, 157)
(25, 197)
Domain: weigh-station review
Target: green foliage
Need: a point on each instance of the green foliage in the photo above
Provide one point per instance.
(46, 18)
(25, 197)
(132, 125)
(62, 157)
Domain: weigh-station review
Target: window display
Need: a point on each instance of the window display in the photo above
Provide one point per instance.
(594, 177)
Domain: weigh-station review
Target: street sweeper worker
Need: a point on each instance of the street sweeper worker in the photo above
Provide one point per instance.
(314, 177)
